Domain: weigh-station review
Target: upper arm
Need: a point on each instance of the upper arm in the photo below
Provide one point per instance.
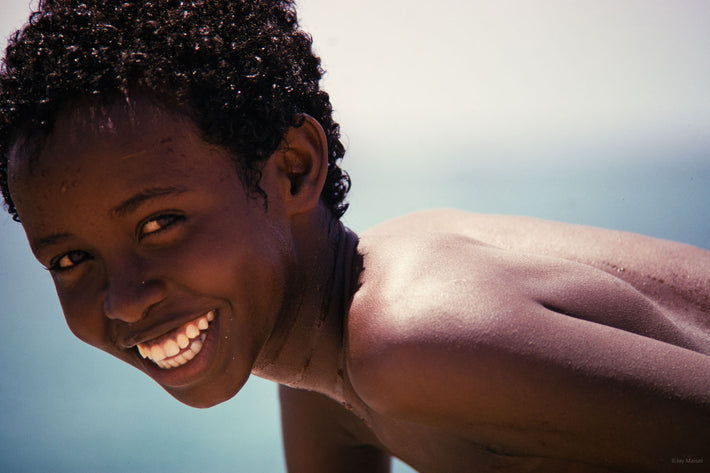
(322, 436)
(536, 356)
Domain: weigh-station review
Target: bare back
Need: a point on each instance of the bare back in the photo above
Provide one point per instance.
(492, 343)
(674, 275)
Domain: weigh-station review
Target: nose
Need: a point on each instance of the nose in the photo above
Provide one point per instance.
(128, 297)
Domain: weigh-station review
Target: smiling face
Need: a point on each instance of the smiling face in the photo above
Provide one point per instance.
(159, 255)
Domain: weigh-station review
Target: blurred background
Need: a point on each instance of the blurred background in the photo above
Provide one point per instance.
(591, 112)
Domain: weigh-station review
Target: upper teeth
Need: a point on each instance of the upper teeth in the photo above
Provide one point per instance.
(181, 346)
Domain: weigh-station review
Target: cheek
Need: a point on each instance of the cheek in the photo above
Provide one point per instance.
(248, 270)
(82, 304)
(226, 259)
(85, 320)
(244, 274)
(83, 311)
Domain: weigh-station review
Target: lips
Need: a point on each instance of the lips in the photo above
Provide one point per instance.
(179, 346)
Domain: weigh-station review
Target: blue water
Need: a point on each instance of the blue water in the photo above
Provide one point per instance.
(70, 408)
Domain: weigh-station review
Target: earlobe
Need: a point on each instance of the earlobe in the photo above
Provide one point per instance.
(302, 165)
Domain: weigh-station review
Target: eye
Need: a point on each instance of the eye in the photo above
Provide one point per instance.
(68, 260)
(158, 224)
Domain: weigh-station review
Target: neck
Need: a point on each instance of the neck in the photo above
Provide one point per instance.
(306, 348)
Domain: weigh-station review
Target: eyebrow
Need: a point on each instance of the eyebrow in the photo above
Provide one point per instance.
(50, 240)
(127, 206)
(133, 203)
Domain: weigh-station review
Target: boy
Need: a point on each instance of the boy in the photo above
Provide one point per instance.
(176, 168)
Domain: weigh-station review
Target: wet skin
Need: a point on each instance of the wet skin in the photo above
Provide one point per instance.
(474, 343)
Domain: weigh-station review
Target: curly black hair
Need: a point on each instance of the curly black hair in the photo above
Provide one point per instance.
(242, 70)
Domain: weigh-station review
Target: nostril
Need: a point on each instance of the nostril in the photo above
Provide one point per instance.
(130, 302)
(113, 309)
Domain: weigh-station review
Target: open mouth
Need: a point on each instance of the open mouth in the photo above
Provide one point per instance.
(179, 346)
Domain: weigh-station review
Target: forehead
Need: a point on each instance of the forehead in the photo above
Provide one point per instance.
(100, 155)
(97, 129)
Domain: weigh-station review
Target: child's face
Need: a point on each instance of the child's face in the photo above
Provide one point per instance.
(146, 229)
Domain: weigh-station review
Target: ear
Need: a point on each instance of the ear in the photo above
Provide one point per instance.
(297, 170)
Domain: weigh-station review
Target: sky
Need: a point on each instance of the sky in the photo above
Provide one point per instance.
(552, 72)
(591, 112)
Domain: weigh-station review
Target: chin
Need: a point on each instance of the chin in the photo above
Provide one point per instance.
(202, 398)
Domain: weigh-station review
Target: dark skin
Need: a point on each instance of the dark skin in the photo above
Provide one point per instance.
(474, 343)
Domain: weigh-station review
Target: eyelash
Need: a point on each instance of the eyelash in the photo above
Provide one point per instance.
(55, 264)
(167, 221)
(162, 222)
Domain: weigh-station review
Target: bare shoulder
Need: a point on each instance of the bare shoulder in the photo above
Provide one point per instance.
(445, 324)
(447, 273)
(423, 296)
(674, 275)
(454, 266)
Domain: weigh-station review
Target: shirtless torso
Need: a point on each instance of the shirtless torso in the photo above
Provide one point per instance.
(486, 343)
(175, 166)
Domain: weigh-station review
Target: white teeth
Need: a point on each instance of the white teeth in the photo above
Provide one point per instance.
(192, 331)
(202, 324)
(171, 348)
(157, 353)
(183, 341)
(177, 351)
